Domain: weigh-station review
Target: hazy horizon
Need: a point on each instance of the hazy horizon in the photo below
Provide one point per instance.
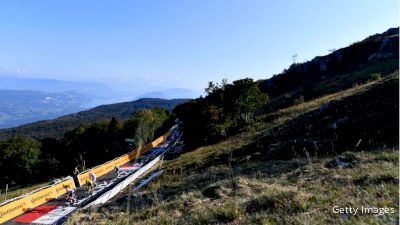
(138, 47)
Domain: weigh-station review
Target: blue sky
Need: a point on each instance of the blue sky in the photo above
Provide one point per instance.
(182, 44)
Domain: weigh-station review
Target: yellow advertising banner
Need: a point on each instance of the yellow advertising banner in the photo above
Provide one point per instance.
(99, 171)
(59, 189)
(19, 206)
(83, 177)
(42, 196)
(124, 159)
(116, 162)
(109, 166)
(14, 209)
(135, 154)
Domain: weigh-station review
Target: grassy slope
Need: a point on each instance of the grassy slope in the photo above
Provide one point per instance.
(229, 183)
(18, 192)
(339, 82)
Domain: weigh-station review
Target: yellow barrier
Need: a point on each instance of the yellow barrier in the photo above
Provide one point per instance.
(42, 196)
(83, 177)
(59, 188)
(99, 171)
(14, 209)
(34, 199)
(133, 155)
(46, 194)
(124, 159)
(109, 166)
(120, 159)
(116, 162)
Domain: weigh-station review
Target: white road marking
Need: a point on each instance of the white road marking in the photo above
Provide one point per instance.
(54, 215)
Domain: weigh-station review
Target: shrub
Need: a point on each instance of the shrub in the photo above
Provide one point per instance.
(375, 76)
(299, 100)
(287, 201)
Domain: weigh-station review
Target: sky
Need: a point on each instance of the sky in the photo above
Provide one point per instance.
(150, 45)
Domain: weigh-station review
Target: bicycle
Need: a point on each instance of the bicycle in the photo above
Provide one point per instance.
(69, 200)
(89, 189)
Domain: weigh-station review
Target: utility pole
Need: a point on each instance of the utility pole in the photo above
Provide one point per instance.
(5, 197)
(294, 58)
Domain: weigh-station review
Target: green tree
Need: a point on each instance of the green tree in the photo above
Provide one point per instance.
(18, 156)
(225, 108)
(243, 98)
(144, 124)
(114, 138)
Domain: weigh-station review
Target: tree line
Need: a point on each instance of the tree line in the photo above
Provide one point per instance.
(25, 160)
(222, 112)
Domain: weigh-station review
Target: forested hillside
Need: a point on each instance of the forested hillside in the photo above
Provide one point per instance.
(57, 127)
(31, 161)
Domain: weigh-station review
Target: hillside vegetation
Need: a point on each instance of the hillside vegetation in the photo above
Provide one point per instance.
(323, 133)
(375, 56)
(57, 127)
(228, 108)
(243, 180)
(285, 150)
(29, 161)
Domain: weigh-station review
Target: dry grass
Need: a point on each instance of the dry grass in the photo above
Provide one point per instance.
(196, 158)
(276, 192)
(217, 184)
(21, 191)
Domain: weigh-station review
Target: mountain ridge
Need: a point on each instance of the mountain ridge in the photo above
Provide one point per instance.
(375, 56)
(57, 127)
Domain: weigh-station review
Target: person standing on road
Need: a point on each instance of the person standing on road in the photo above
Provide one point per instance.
(75, 176)
(117, 169)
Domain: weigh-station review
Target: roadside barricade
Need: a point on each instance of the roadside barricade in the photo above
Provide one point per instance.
(19, 205)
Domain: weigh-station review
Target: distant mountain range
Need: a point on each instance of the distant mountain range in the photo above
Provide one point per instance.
(57, 127)
(172, 93)
(19, 107)
(26, 100)
(89, 89)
